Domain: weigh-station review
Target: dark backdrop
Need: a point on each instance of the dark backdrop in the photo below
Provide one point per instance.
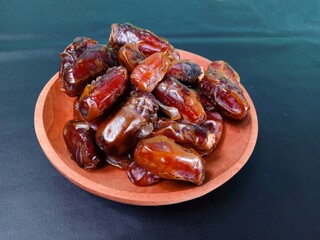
(274, 45)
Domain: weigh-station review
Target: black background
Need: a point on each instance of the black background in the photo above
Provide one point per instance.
(274, 45)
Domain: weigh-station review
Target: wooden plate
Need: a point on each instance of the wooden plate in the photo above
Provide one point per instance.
(54, 109)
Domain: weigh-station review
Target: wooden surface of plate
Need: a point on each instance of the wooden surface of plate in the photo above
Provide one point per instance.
(54, 108)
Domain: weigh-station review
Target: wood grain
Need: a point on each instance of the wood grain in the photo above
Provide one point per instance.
(54, 108)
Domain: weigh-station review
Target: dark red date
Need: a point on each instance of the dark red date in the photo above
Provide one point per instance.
(226, 70)
(214, 124)
(174, 94)
(187, 134)
(148, 43)
(171, 112)
(76, 111)
(150, 71)
(121, 162)
(92, 63)
(102, 93)
(74, 50)
(130, 56)
(77, 116)
(161, 156)
(80, 141)
(227, 96)
(207, 104)
(173, 53)
(134, 121)
(185, 71)
(140, 176)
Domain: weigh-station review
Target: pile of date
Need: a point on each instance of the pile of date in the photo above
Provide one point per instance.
(141, 108)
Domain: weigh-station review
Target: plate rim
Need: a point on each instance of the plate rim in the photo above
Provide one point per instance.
(135, 198)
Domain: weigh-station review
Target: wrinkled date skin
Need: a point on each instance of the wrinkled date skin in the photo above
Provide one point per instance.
(74, 50)
(80, 141)
(91, 64)
(226, 95)
(226, 70)
(207, 104)
(171, 112)
(174, 94)
(184, 71)
(150, 71)
(134, 121)
(130, 56)
(121, 162)
(185, 133)
(148, 43)
(94, 124)
(173, 53)
(76, 111)
(214, 124)
(102, 93)
(163, 157)
(141, 177)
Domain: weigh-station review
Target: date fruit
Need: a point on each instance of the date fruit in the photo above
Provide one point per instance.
(226, 70)
(76, 110)
(214, 124)
(134, 121)
(80, 141)
(171, 112)
(121, 162)
(148, 43)
(185, 71)
(185, 133)
(173, 53)
(102, 93)
(74, 50)
(141, 177)
(161, 156)
(172, 93)
(94, 124)
(150, 71)
(207, 104)
(129, 56)
(227, 96)
(92, 63)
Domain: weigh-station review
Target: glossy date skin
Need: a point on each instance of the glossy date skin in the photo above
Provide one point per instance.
(80, 141)
(150, 71)
(74, 50)
(134, 121)
(185, 71)
(76, 111)
(94, 124)
(140, 176)
(173, 53)
(187, 134)
(226, 70)
(121, 162)
(163, 157)
(92, 63)
(171, 112)
(227, 96)
(102, 93)
(148, 43)
(174, 94)
(214, 124)
(129, 56)
(207, 104)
